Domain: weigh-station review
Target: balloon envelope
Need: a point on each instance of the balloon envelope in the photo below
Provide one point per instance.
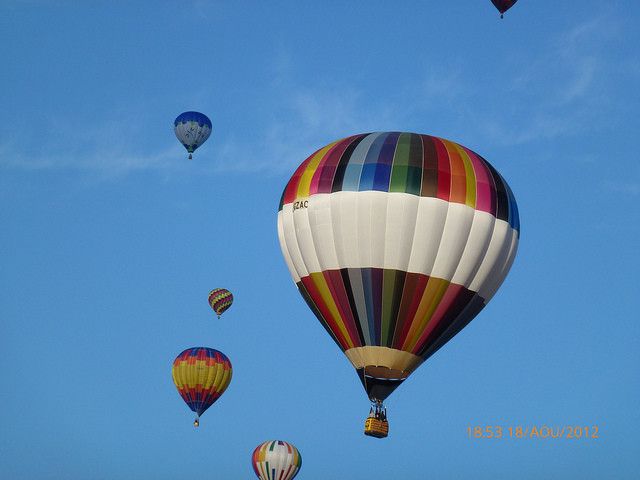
(396, 241)
(276, 459)
(503, 5)
(192, 129)
(220, 300)
(201, 376)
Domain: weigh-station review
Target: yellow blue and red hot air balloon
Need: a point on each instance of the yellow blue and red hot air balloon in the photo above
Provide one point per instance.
(192, 129)
(503, 5)
(201, 376)
(220, 300)
(396, 241)
(276, 460)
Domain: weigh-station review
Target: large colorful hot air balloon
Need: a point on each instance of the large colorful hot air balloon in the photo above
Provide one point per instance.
(276, 460)
(192, 129)
(396, 241)
(201, 376)
(503, 5)
(220, 300)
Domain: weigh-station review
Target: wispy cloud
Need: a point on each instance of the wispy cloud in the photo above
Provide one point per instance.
(295, 119)
(559, 92)
(559, 89)
(308, 119)
(625, 187)
(563, 91)
(109, 149)
(304, 117)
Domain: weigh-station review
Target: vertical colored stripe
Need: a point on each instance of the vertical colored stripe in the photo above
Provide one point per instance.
(343, 162)
(339, 295)
(317, 174)
(346, 281)
(414, 165)
(376, 284)
(393, 284)
(485, 191)
(328, 171)
(502, 197)
(323, 290)
(458, 174)
(305, 179)
(368, 290)
(433, 293)
(382, 175)
(400, 167)
(514, 216)
(429, 167)
(453, 302)
(469, 172)
(290, 191)
(353, 170)
(468, 313)
(414, 286)
(444, 170)
(316, 311)
(371, 161)
(357, 290)
(326, 313)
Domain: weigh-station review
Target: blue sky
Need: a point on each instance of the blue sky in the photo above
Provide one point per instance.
(111, 239)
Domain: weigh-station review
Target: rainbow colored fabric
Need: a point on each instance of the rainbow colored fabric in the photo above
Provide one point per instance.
(220, 300)
(276, 460)
(201, 376)
(410, 163)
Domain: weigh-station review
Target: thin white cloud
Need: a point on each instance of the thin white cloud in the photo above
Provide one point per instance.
(625, 187)
(308, 119)
(584, 75)
(559, 93)
(110, 145)
(108, 149)
(562, 90)
(303, 118)
(111, 161)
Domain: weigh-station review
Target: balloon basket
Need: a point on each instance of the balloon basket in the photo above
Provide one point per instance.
(374, 427)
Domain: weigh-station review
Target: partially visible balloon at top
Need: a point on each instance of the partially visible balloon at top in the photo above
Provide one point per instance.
(503, 5)
(192, 129)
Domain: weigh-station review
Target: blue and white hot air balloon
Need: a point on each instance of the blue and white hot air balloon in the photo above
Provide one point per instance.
(192, 129)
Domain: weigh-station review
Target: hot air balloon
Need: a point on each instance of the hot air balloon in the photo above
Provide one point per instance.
(396, 241)
(192, 129)
(276, 460)
(220, 300)
(503, 5)
(201, 376)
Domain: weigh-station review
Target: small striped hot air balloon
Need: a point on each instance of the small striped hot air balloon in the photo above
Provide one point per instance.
(220, 300)
(201, 376)
(276, 460)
